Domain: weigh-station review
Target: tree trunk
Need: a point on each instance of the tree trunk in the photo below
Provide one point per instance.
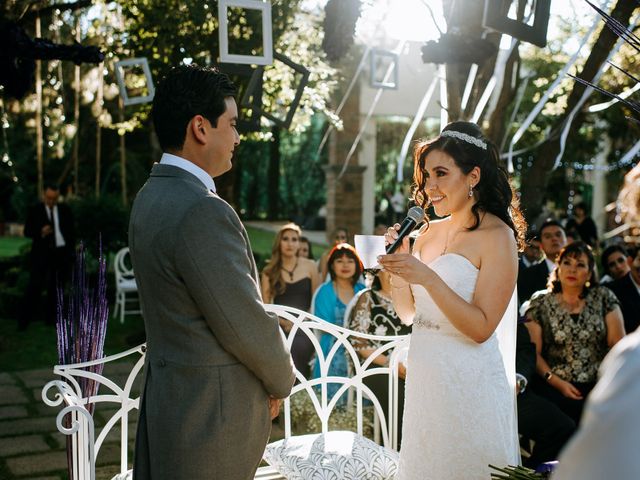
(39, 132)
(497, 123)
(76, 117)
(273, 176)
(533, 189)
(100, 101)
(123, 156)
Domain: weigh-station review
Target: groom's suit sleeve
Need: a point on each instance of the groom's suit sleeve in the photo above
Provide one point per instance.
(216, 265)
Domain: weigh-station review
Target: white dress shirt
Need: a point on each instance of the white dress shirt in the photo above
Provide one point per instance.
(550, 265)
(192, 168)
(56, 225)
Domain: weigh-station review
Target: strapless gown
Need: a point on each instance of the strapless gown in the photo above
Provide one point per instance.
(459, 413)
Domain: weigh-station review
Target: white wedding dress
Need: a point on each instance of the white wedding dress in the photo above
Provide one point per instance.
(459, 413)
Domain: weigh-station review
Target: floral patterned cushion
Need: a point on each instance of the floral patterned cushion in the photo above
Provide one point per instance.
(332, 456)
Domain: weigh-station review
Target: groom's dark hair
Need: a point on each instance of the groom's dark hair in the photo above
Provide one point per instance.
(187, 91)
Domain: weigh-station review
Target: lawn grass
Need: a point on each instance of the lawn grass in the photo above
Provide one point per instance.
(36, 347)
(11, 246)
(261, 241)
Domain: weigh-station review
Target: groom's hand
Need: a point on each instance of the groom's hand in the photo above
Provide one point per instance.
(274, 407)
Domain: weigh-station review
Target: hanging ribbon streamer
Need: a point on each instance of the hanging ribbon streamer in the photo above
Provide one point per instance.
(542, 102)
(587, 92)
(361, 65)
(414, 126)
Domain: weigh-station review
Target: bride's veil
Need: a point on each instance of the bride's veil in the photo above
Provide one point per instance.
(506, 334)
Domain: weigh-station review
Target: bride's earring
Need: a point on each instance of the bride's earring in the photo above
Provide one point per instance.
(470, 190)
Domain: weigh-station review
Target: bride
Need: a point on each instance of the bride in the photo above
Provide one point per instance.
(458, 289)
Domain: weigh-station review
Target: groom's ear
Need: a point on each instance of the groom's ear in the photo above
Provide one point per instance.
(197, 129)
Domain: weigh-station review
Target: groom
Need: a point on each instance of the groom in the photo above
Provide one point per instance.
(216, 365)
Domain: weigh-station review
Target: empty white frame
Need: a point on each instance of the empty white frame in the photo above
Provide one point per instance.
(389, 61)
(267, 38)
(121, 76)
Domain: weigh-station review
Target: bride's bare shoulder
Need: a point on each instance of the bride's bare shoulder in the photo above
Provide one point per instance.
(497, 233)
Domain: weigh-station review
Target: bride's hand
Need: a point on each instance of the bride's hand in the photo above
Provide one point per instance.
(405, 268)
(391, 236)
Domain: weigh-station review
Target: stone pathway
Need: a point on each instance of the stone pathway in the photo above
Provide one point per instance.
(31, 446)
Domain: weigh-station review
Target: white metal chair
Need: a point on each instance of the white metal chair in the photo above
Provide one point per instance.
(79, 424)
(86, 441)
(125, 284)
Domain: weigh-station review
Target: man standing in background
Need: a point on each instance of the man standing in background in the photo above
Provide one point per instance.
(50, 226)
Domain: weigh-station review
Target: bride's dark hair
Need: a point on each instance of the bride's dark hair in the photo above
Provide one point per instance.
(465, 144)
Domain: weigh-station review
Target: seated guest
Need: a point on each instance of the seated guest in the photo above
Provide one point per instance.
(615, 263)
(538, 419)
(331, 301)
(339, 235)
(606, 446)
(305, 250)
(532, 254)
(573, 324)
(627, 289)
(290, 280)
(374, 314)
(534, 278)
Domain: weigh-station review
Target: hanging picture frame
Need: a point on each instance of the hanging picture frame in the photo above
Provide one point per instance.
(267, 37)
(494, 18)
(134, 81)
(385, 59)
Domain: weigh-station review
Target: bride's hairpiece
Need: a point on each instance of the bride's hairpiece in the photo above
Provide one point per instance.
(465, 138)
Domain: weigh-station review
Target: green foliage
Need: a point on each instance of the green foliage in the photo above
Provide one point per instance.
(516, 473)
(166, 32)
(583, 145)
(302, 183)
(12, 246)
(104, 217)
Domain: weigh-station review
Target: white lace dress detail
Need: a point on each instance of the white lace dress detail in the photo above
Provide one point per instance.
(459, 413)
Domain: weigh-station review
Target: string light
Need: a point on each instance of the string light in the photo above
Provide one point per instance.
(6, 159)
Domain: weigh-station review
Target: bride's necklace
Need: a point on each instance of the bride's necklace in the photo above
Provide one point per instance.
(290, 272)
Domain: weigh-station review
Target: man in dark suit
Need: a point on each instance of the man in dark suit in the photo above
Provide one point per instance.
(216, 364)
(49, 224)
(627, 289)
(534, 278)
(538, 419)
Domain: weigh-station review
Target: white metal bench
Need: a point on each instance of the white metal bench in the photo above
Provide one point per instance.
(86, 442)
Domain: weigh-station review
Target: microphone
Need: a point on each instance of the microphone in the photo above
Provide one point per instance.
(415, 215)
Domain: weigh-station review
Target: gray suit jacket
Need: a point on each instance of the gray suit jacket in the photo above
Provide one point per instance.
(213, 354)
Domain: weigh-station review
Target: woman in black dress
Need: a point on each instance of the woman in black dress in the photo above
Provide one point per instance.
(290, 280)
